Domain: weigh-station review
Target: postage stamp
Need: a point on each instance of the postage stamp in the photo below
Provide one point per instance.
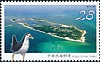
(50, 31)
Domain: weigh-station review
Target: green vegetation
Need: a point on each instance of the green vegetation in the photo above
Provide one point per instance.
(56, 29)
(40, 20)
(26, 24)
(14, 20)
(70, 32)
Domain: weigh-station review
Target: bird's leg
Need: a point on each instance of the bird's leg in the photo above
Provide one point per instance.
(23, 57)
(13, 56)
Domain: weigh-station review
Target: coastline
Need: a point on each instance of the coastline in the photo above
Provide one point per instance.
(82, 39)
(11, 20)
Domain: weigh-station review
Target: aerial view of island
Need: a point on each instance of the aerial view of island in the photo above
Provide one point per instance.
(56, 29)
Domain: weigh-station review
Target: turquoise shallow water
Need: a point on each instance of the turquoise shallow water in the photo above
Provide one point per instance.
(44, 43)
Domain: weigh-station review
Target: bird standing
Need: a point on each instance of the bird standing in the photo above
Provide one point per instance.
(20, 47)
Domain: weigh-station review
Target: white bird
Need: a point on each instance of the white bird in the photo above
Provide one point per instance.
(20, 47)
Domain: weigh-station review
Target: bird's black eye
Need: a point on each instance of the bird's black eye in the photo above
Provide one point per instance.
(27, 35)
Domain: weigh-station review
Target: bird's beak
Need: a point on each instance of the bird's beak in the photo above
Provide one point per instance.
(31, 37)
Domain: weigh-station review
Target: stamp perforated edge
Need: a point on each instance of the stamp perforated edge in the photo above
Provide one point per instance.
(97, 27)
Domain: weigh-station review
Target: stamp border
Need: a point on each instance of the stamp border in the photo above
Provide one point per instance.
(40, 60)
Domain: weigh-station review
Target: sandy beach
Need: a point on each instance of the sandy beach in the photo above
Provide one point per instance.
(11, 20)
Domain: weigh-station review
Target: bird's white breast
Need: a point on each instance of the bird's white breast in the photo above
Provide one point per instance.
(24, 47)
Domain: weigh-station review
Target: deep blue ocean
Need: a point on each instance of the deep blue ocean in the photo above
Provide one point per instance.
(43, 43)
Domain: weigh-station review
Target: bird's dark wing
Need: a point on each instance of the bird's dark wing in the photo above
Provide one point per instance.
(16, 47)
(14, 41)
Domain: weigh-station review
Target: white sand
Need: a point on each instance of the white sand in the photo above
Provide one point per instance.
(11, 20)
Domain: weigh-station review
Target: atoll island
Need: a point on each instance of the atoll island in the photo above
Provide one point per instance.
(54, 29)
